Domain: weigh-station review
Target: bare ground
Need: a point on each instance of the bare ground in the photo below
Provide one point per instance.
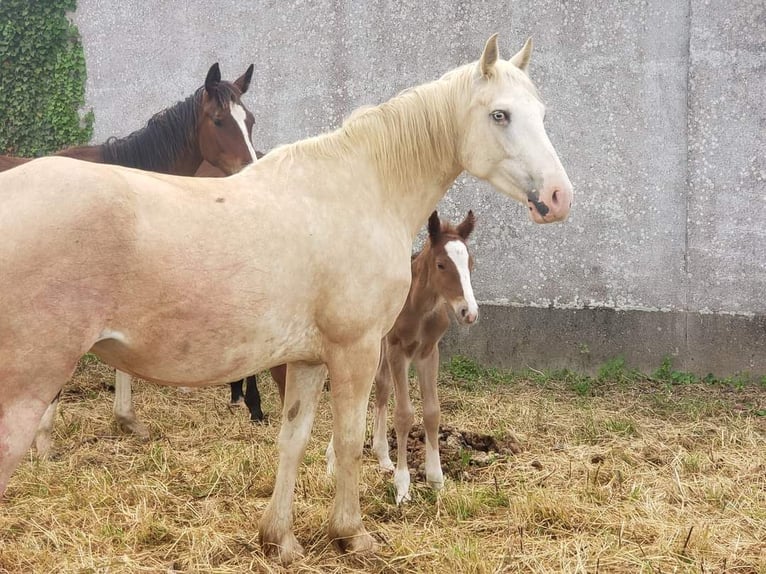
(616, 477)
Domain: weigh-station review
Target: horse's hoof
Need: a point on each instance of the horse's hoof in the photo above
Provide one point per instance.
(262, 420)
(237, 403)
(387, 465)
(436, 484)
(358, 543)
(402, 485)
(403, 497)
(286, 551)
(134, 427)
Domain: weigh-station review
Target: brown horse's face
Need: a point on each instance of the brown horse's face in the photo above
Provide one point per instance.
(225, 124)
(451, 265)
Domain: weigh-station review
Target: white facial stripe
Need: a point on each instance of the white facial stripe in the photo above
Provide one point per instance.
(458, 252)
(239, 115)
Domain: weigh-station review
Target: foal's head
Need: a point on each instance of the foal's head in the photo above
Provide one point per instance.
(450, 265)
(224, 123)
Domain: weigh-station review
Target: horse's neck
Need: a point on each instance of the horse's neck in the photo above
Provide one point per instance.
(169, 143)
(411, 142)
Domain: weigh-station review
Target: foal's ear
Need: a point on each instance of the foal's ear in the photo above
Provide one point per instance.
(213, 78)
(466, 226)
(243, 82)
(489, 57)
(434, 226)
(521, 58)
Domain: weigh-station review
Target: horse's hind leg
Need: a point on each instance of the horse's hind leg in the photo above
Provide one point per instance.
(304, 384)
(237, 396)
(428, 371)
(28, 388)
(352, 370)
(380, 425)
(404, 416)
(123, 407)
(44, 432)
(253, 399)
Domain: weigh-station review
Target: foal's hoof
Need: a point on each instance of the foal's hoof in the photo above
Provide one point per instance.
(287, 550)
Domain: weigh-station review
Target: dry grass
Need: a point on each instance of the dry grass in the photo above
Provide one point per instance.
(638, 477)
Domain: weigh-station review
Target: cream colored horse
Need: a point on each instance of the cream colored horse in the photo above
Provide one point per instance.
(302, 258)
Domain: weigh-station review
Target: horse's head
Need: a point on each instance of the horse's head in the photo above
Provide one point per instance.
(225, 124)
(504, 139)
(451, 265)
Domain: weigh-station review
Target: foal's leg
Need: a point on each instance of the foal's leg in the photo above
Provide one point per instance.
(428, 371)
(123, 407)
(380, 426)
(404, 416)
(352, 370)
(303, 387)
(45, 429)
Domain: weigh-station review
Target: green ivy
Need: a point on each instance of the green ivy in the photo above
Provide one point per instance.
(42, 78)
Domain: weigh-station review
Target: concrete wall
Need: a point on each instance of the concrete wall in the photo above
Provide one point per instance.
(656, 109)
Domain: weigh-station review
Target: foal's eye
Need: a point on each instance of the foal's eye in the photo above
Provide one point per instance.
(217, 122)
(440, 266)
(500, 116)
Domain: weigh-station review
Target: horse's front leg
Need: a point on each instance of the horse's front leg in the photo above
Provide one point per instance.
(304, 384)
(123, 407)
(428, 372)
(352, 369)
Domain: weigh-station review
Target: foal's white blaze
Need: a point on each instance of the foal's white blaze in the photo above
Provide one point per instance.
(239, 115)
(458, 252)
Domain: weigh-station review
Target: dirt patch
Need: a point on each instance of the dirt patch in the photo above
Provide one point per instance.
(461, 452)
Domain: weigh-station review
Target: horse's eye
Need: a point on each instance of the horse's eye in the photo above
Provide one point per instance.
(440, 266)
(500, 116)
(217, 122)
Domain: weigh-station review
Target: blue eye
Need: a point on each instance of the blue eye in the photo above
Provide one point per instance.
(500, 116)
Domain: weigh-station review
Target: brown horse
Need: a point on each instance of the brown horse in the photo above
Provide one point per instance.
(302, 258)
(211, 126)
(441, 285)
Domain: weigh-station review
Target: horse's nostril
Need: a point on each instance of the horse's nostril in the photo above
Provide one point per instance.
(463, 312)
(555, 197)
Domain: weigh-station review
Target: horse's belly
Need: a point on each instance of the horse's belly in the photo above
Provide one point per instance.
(208, 353)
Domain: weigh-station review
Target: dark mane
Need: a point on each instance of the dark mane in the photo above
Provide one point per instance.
(166, 136)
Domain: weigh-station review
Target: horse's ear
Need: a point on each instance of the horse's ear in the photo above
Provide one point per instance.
(213, 78)
(521, 59)
(466, 226)
(489, 57)
(243, 82)
(434, 226)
